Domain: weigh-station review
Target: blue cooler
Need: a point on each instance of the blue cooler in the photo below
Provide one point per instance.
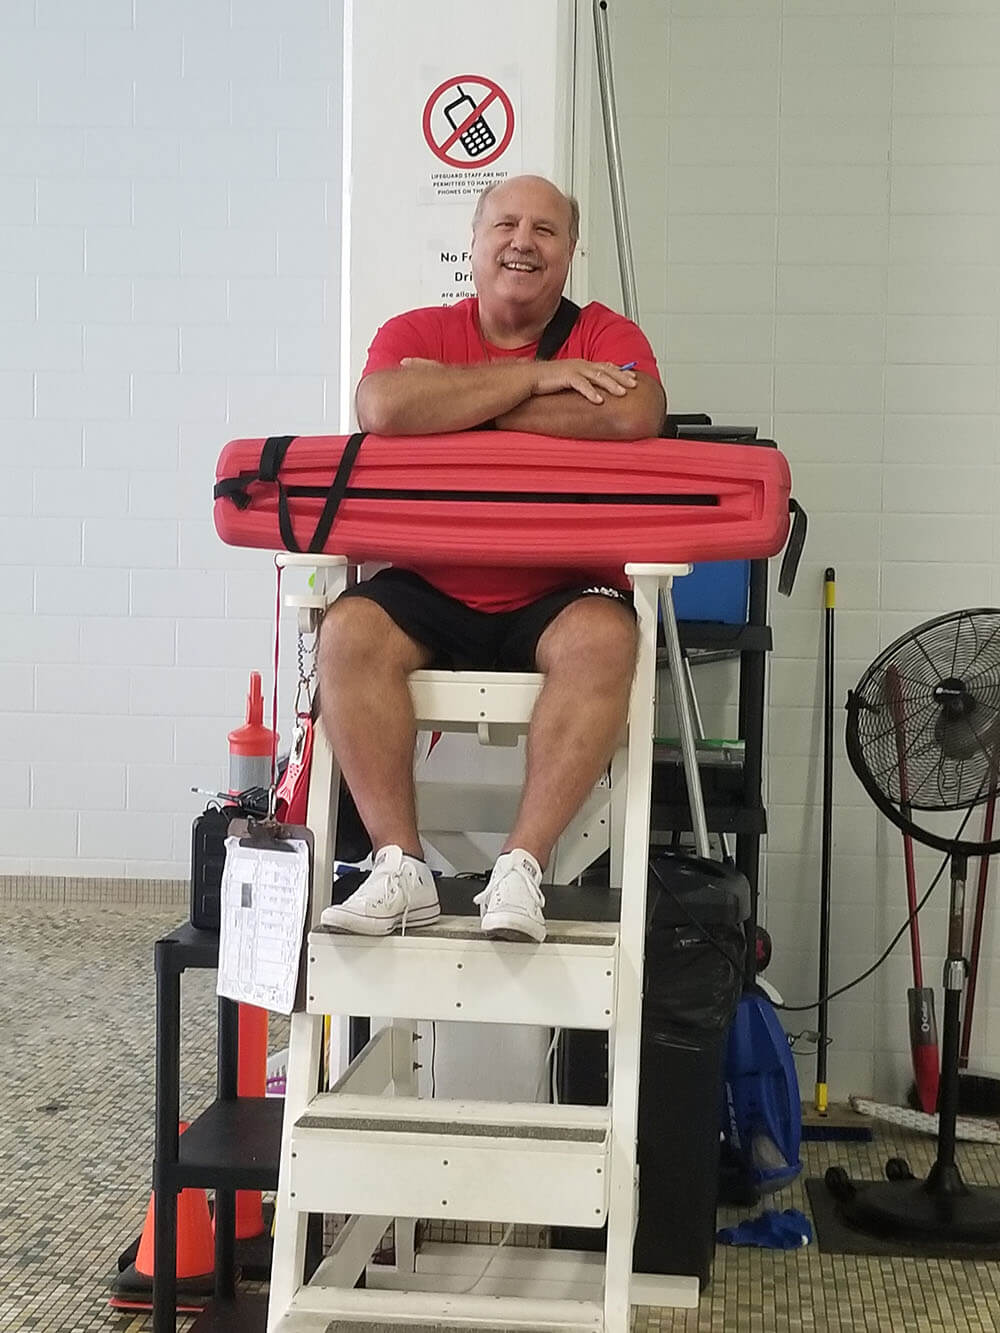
(716, 590)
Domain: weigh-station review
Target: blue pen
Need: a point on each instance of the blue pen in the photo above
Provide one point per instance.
(629, 365)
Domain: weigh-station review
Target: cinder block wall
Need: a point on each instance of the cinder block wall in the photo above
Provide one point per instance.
(169, 251)
(824, 181)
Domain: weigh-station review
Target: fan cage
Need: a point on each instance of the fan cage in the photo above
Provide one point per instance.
(915, 749)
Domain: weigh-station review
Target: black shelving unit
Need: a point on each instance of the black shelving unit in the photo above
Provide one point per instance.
(745, 816)
(738, 811)
(232, 1145)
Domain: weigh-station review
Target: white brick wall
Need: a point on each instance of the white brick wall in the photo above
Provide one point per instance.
(169, 251)
(831, 204)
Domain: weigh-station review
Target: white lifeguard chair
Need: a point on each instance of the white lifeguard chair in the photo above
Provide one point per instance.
(370, 1148)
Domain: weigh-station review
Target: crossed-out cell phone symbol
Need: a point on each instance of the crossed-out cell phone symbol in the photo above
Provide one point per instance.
(477, 137)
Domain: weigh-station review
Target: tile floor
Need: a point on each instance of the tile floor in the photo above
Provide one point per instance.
(76, 1122)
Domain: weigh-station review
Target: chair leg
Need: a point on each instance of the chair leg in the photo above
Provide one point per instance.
(405, 1240)
(616, 815)
(305, 1051)
(288, 1261)
(624, 1037)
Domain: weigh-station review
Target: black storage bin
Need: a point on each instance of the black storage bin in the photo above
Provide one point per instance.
(692, 981)
(208, 852)
(208, 858)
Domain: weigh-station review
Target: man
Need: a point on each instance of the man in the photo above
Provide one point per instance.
(457, 368)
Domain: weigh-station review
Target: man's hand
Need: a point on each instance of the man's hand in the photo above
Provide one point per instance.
(590, 379)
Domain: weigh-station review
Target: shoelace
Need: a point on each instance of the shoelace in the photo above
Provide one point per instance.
(393, 881)
(494, 896)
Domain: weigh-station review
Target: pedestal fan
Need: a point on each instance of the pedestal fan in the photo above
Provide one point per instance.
(923, 735)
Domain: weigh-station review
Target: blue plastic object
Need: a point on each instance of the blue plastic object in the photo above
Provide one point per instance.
(789, 1230)
(714, 590)
(762, 1109)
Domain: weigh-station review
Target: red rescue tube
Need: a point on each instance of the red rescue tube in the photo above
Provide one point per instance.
(504, 497)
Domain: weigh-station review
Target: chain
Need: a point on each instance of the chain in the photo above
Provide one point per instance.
(306, 678)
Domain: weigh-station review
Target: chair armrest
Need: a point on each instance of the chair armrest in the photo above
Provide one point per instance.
(637, 571)
(291, 559)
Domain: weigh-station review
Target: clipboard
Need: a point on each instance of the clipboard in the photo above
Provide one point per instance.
(266, 895)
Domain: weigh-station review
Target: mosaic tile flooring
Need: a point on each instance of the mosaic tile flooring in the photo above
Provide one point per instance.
(76, 1137)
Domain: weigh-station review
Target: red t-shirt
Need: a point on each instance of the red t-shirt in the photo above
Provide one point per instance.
(450, 334)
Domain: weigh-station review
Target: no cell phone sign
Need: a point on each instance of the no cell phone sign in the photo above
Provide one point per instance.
(468, 121)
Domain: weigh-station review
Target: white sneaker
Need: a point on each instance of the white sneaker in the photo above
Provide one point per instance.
(510, 907)
(400, 891)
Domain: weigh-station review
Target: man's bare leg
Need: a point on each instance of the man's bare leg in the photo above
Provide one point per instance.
(588, 656)
(364, 662)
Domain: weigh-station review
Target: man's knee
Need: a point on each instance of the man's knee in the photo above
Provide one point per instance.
(593, 634)
(357, 634)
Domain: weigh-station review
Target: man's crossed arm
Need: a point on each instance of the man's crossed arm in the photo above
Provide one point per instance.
(577, 399)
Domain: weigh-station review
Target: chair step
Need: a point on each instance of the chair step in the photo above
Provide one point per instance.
(450, 971)
(320, 1309)
(430, 1157)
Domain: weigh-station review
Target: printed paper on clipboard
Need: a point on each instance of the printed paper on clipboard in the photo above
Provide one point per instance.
(265, 895)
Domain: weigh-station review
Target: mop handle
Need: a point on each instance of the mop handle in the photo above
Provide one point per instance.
(829, 604)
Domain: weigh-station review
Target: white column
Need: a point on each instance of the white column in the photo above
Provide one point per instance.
(414, 75)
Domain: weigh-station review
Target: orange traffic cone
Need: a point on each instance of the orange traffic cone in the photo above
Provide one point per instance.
(195, 1239)
(195, 1256)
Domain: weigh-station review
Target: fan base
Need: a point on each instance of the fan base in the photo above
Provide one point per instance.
(942, 1207)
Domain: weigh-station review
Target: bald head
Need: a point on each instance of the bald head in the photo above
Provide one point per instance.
(566, 202)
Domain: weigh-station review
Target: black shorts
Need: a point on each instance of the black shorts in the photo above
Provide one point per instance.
(461, 637)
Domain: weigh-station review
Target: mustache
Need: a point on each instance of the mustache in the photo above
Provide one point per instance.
(520, 257)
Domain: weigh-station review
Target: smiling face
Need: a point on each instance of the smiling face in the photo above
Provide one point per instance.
(522, 244)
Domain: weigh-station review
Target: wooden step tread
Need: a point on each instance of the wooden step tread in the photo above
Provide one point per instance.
(460, 1118)
(428, 1157)
(365, 1309)
(466, 929)
(594, 903)
(450, 972)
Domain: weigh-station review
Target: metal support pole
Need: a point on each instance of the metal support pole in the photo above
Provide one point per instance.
(225, 1199)
(944, 1177)
(166, 1153)
(609, 110)
(699, 731)
(751, 727)
(675, 661)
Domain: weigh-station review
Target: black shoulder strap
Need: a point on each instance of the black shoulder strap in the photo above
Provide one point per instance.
(796, 541)
(557, 330)
(272, 455)
(336, 492)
